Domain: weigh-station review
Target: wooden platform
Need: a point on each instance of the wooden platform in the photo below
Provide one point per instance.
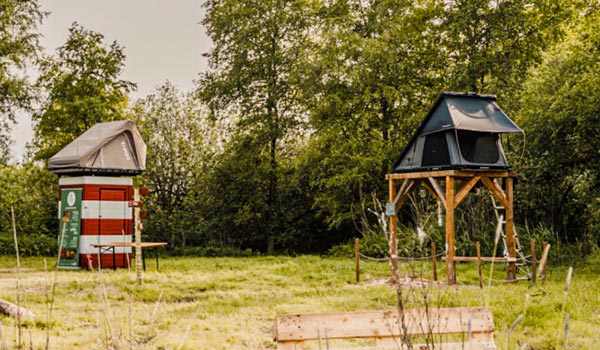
(390, 330)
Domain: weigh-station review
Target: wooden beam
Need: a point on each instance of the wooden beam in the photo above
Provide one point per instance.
(437, 190)
(402, 190)
(496, 190)
(450, 236)
(456, 173)
(464, 189)
(404, 196)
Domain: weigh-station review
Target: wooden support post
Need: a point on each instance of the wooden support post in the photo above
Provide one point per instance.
(511, 243)
(434, 261)
(450, 241)
(357, 258)
(479, 269)
(533, 263)
(394, 278)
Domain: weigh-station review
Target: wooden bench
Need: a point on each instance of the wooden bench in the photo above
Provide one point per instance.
(468, 328)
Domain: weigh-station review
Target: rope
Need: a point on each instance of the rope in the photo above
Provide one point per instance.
(401, 258)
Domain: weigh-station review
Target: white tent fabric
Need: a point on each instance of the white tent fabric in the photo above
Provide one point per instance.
(106, 148)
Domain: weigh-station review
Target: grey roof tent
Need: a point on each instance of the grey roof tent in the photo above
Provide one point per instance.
(460, 131)
(113, 149)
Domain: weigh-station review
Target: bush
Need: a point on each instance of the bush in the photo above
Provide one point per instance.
(212, 251)
(29, 245)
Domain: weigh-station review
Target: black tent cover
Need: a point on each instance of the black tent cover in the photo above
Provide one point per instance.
(460, 131)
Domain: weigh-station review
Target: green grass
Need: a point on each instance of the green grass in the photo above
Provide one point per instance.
(230, 303)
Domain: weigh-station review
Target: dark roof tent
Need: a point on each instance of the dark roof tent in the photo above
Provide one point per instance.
(460, 131)
(114, 148)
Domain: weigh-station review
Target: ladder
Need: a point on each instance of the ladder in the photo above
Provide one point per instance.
(500, 212)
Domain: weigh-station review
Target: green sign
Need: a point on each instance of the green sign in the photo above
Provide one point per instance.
(69, 228)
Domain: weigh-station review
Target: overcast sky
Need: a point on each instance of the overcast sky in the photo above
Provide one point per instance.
(163, 40)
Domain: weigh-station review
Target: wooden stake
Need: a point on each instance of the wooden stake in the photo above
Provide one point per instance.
(568, 281)
(450, 242)
(434, 261)
(479, 270)
(543, 261)
(138, 238)
(533, 263)
(357, 258)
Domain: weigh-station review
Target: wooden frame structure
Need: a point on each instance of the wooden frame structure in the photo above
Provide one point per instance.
(450, 187)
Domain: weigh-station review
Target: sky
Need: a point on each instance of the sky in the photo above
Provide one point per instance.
(162, 40)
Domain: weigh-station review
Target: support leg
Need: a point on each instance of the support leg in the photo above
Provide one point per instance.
(450, 237)
(511, 244)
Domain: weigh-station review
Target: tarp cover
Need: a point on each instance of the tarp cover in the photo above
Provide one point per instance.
(467, 112)
(114, 148)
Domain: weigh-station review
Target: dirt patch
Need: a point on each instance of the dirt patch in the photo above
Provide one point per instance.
(406, 281)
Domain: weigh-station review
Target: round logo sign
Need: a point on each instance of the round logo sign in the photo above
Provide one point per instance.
(71, 199)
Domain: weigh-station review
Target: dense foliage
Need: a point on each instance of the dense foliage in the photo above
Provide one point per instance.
(18, 47)
(82, 88)
(285, 142)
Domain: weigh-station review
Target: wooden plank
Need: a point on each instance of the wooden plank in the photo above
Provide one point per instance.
(382, 323)
(396, 344)
(450, 235)
(483, 258)
(464, 189)
(496, 190)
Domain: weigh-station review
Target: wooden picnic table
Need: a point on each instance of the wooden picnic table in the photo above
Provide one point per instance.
(106, 247)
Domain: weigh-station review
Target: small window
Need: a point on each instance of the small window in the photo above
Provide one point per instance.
(435, 151)
(478, 147)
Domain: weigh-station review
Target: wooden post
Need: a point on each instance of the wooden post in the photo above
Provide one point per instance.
(511, 269)
(450, 242)
(394, 278)
(479, 270)
(138, 237)
(533, 263)
(434, 261)
(543, 260)
(357, 258)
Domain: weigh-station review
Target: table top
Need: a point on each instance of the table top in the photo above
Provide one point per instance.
(130, 244)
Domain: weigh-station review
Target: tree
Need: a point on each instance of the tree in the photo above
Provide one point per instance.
(18, 47)
(492, 44)
(256, 66)
(377, 70)
(560, 116)
(83, 88)
(181, 143)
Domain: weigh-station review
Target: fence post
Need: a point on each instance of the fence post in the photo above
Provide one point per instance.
(357, 258)
(479, 266)
(434, 261)
(533, 263)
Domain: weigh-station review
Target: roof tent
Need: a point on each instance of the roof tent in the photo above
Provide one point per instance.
(114, 148)
(460, 131)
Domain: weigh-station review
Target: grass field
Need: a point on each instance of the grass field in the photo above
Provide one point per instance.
(230, 303)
